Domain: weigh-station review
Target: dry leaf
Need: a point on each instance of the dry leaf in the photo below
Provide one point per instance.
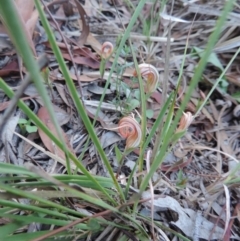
(85, 27)
(186, 218)
(10, 69)
(25, 9)
(109, 138)
(45, 118)
(5, 104)
(83, 61)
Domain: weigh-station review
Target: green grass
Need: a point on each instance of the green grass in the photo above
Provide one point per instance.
(110, 195)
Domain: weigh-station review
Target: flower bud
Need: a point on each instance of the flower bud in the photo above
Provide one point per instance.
(130, 129)
(107, 49)
(185, 121)
(150, 74)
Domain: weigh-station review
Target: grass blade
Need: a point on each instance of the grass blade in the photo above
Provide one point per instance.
(196, 77)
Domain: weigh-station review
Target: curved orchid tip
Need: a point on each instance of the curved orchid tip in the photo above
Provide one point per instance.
(150, 74)
(185, 121)
(106, 50)
(130, 129)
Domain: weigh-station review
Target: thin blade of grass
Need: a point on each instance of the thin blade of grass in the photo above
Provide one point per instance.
(7, 10)
(158, 120)
(72, 89)
(218, 81)
(40, 124)
(118, 52)
(20, 206)
(41, 200)
(143, 111)
(42, 220)
(196, 77)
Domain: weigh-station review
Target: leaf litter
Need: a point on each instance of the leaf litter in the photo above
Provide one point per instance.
(199, 197)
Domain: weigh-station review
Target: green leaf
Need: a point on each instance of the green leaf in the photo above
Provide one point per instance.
(134, 103)
(79, 105)
(223, 84)
(25, 236)
(45, 74)
(176, 136)
(11, 227)
(149, 113)
(181, 180)
(137, 94)
(102, 67)
(22, 121)
(31, 129)
(118, 154)
(93, 224)
(212, 59)
(236, 96)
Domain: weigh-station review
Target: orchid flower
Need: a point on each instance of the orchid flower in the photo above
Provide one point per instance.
(150, 74)
(106, 50)
(130, 129)
(185, 121)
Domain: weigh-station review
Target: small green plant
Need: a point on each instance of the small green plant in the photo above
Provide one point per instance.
(27, 126)
(104, 196)
(213, 60)
(181, 180)
(236, 96)
(45, 74)
(126, 51)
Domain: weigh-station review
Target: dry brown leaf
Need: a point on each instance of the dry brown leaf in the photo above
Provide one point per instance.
(157, 96)
(85, 61)
(45, 118)
(233, 78)
(85, 27)
(61, 91)
(176, 166)
(94, 43)
(31, 22)
(214, 110)
(82, 51)
(51, 155)
(91, 8)
(204, 111)
(25, 9)
(101, 116)
(208, 126)
(83, 78)
(67, 9)
(61, 115)
(5, 104)
(10, 69)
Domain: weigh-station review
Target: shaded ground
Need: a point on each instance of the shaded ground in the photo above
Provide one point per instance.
(193, 173)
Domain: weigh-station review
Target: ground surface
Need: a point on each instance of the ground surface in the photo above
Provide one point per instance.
(194, 172)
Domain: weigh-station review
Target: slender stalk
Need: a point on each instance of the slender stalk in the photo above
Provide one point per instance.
(78, 103)
(143, 112)
(196, 77)
(14, 26)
